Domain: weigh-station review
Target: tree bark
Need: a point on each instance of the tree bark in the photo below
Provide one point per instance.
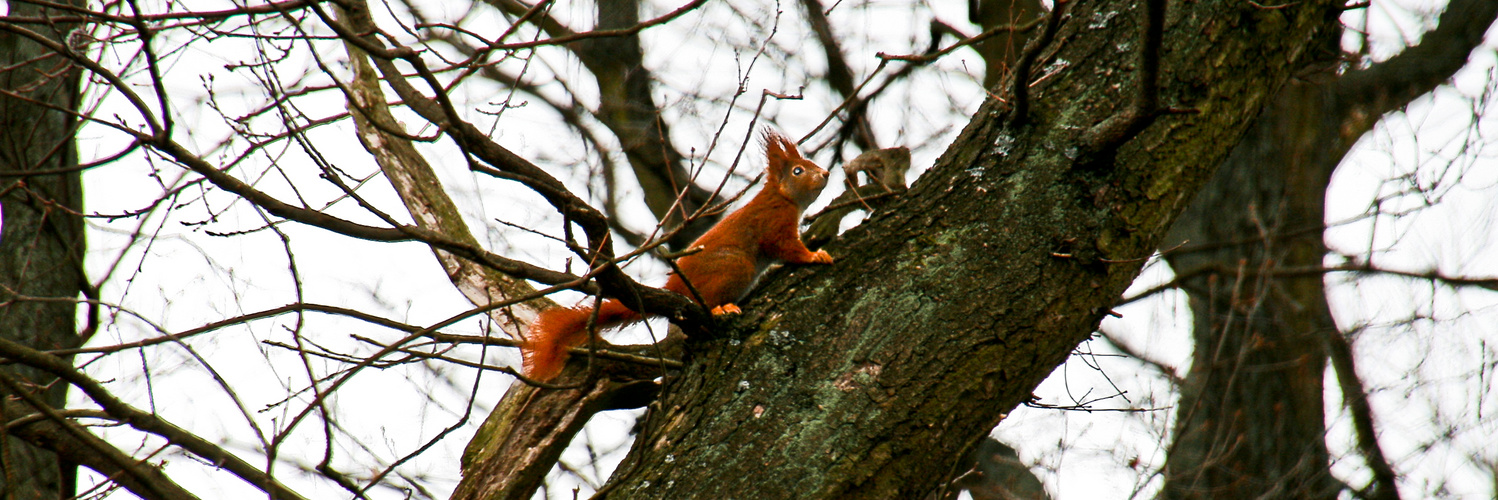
(41, 236)
(1251, 421)
(870, 378)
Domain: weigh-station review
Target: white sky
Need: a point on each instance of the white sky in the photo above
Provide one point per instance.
(1424, 377)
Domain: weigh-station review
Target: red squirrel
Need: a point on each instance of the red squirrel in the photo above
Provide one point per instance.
(727, 261)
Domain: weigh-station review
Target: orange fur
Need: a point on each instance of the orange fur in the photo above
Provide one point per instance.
(733, 253)
(558, 328)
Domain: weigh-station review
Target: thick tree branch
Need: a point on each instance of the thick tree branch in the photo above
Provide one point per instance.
(431, 208)
(1389, 85)
(69, 441)
(867, 378)
(144, 421)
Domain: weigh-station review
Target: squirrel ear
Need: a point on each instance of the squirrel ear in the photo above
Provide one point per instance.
(779, 151)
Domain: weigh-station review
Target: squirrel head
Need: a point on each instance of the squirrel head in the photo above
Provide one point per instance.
(787, 171)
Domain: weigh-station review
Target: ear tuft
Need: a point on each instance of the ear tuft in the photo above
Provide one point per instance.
(780, 153)
(778, 145)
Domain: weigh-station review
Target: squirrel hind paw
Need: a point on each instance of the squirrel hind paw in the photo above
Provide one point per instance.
(726, 309)
(821, 257)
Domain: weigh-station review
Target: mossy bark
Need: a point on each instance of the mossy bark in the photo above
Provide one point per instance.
(871, 377)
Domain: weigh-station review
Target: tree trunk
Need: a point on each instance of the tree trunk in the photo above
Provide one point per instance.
(1251, 419)
(872, 377)
(1251, 423)
(41, 235)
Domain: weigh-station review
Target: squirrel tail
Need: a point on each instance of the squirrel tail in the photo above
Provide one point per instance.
(555, 330)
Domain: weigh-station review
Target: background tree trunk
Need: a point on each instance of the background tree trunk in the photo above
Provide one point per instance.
(41, 233)
(1251, 422)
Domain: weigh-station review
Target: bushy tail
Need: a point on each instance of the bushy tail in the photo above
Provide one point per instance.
(545, 352)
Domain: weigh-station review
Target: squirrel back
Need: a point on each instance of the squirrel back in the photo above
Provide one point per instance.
(727, 259)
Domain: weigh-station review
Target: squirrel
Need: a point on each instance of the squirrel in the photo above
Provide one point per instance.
(726, 262)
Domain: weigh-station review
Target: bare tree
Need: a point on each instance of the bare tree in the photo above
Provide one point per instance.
(339, 362)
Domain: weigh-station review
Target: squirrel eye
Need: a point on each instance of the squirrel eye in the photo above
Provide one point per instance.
(797, 171)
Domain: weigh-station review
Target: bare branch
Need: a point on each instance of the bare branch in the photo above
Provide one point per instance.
(1019, 93)
(985, 35)
(85, 15)
(1145, 105)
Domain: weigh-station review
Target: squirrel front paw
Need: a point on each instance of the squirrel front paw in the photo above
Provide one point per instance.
(726, 309)
(821, 257)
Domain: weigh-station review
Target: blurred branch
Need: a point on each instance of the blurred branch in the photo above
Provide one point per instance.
(1354, 102)
(1385, 482)
(85, 15)
(1415, 71)
(1012, 29)
(1432, 275)
(840, 78)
